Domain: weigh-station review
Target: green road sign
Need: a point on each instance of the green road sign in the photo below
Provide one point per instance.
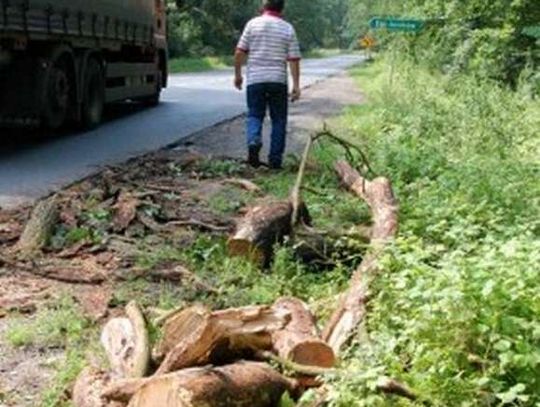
(532, 31)
(393, 24)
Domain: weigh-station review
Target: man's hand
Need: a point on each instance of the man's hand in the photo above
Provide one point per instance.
(296, 94)
(238, 82)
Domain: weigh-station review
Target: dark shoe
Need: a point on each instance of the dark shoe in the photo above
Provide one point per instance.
(253, 156)
(275, 166)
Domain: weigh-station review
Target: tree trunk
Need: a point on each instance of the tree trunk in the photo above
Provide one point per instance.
(126, 344)
(299, 341)
(196, 336)
(39, 227)
(352, 308)
(242, 384)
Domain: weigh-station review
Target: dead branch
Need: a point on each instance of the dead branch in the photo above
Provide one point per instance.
(352, 309)
(244, 184)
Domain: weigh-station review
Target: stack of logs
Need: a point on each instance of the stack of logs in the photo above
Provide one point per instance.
(177, 372)
(180, 371)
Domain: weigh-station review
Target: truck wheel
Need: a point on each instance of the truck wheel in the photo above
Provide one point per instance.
(154, 99)
(93, 95)
(57, 95)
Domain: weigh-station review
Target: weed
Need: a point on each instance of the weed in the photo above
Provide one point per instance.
(54, 326)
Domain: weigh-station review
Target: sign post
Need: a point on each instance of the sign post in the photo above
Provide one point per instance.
(396, 25)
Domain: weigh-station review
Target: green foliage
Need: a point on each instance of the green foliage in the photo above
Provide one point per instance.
(213, 27)
(200, 64)
(54, 326)
(489, 39)
(455, 314)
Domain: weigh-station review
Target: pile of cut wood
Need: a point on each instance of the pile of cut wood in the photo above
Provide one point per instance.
(179, 372)
(219, 358)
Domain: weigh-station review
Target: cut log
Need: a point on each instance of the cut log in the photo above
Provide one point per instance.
(242, 384)
(299, 341)
(196, 336)
(39, 227)
(261, 228)
(126, 344)
(89, 387)
(380, 198)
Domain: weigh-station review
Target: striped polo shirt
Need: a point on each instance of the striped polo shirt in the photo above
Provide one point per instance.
(270, 42)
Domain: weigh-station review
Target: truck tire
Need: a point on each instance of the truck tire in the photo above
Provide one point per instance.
(58, 91)
(154, 99)
(93, 99)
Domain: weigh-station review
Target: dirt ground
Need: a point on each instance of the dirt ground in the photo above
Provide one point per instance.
(145, 197)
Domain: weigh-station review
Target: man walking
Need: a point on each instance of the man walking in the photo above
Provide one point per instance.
(268, 42)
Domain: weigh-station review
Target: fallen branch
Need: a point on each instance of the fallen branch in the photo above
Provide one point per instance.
(384, 384)
(244, 184)
(352, 308)
(197, 224)
(296, 197)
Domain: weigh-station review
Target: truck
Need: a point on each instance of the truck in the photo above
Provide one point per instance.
(62, 61)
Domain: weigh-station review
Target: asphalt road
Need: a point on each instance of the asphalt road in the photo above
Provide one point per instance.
(31, 168)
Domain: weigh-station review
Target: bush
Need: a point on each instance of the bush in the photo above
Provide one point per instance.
(455, 313)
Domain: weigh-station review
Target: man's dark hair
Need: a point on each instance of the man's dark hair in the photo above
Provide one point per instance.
(274, 5)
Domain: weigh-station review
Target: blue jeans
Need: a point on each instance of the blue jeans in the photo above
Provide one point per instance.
(260, 97)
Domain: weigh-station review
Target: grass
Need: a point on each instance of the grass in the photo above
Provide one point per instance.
(202, 64)
(210, 63)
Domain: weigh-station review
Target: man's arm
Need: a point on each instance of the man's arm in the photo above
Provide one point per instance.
(239, 61)
(295, 73)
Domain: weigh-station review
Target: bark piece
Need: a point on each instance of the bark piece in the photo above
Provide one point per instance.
(262, 227)
(125, 211)
(242, 384)
(126, 344)
(85, 271)
(299, 341)
(196, 336)
(244, 184)
(379, 196)
(39, 227)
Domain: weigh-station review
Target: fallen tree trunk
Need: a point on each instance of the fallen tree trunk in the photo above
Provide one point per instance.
(379, 196)
(242, 384)
(39, 227)
(196, 336)
(299, 340)
(126, 344)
